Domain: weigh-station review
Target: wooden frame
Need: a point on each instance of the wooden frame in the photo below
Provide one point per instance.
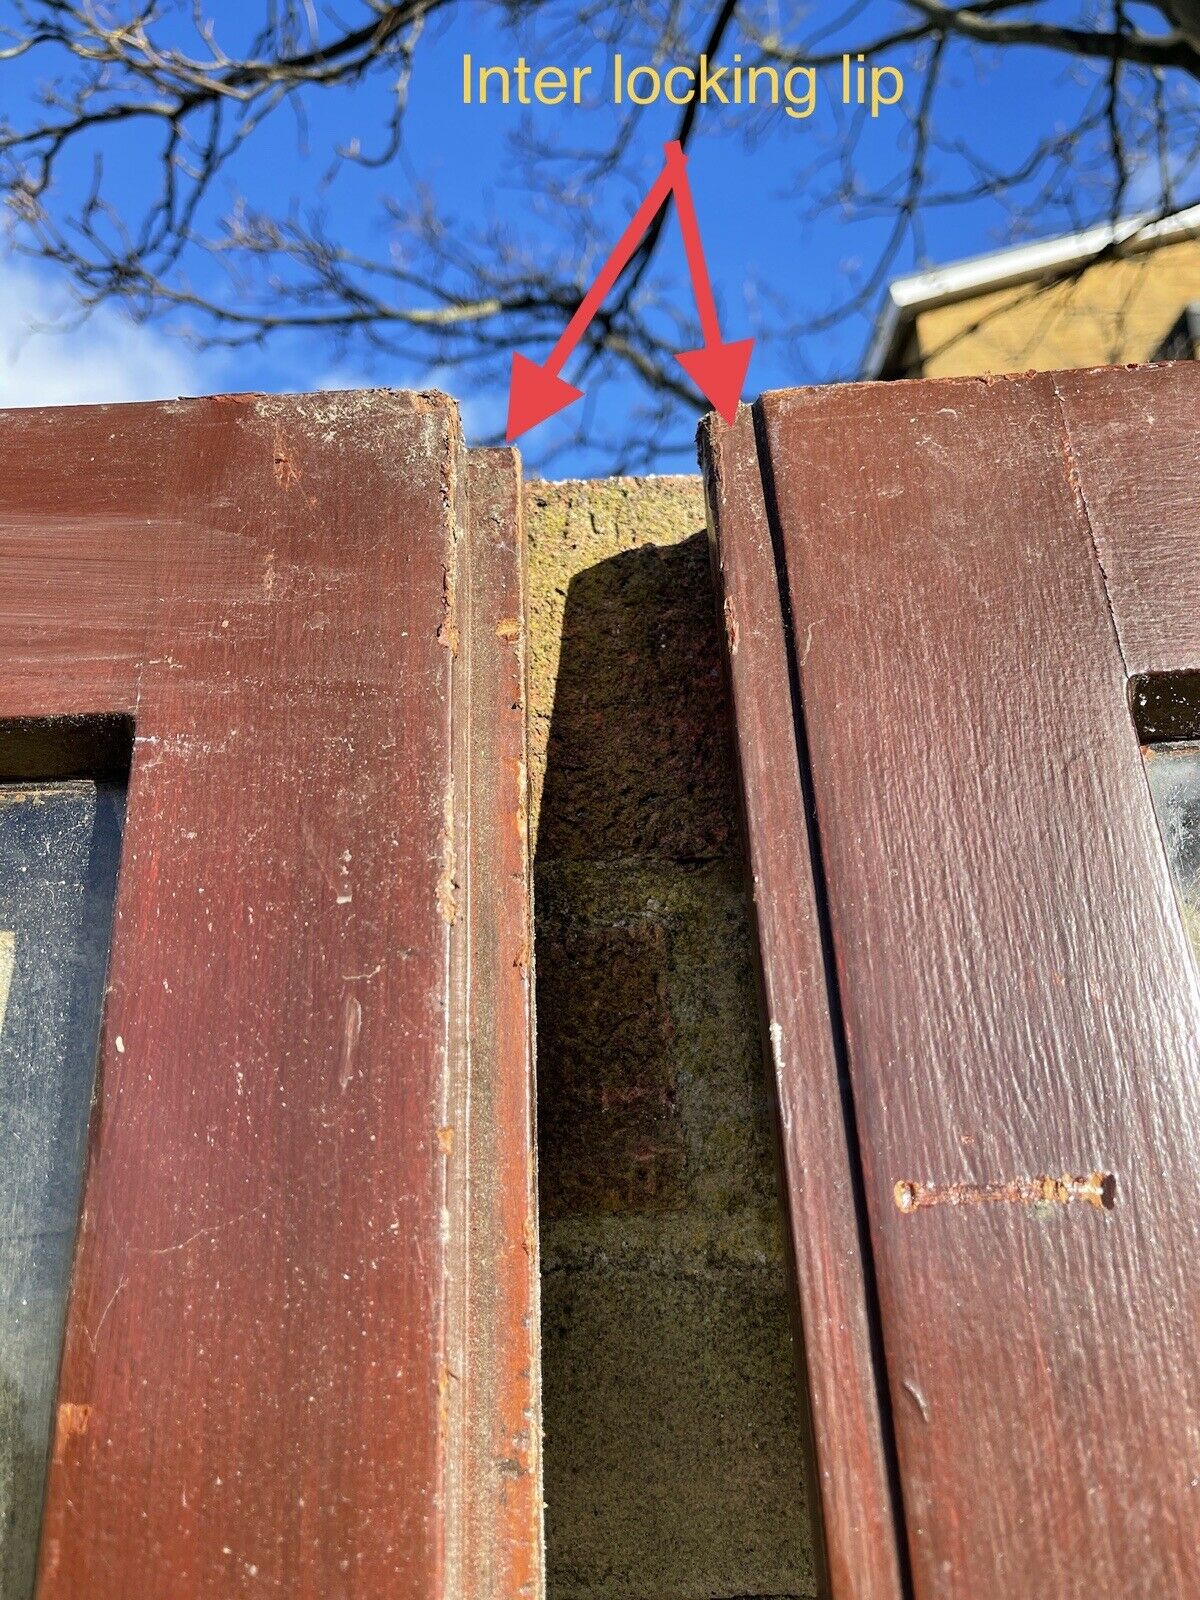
(971, 575)
(301, 1344)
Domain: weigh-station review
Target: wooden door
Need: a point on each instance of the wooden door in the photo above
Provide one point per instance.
(300, 1349)
(953, 612)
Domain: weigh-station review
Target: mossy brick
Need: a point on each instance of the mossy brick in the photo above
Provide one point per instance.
(672, 1416)
(628, 733)
(611, 1138)
(651, 1094)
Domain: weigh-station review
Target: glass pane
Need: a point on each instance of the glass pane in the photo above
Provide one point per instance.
(1174, 774)
(58, 857)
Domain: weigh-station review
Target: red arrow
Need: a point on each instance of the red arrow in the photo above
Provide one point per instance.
(718, 370)
(535, 393)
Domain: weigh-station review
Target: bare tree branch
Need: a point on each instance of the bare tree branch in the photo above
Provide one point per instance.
(197, 81)
(1142, 49)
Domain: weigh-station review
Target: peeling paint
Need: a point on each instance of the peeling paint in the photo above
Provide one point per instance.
(286, 472)
(351, 1030)
(73, 1422)
(447, 887)
(776, 1033)
(1098, 1189)
(8, 956)
(918, 1399)
(731, 627)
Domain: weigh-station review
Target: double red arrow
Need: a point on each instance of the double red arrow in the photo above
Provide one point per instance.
(717, 369)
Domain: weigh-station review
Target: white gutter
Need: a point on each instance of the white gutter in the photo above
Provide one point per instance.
(922, 291)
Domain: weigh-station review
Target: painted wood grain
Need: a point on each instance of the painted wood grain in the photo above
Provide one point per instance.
(1131, 436)
(259, 1389)
(1021, 1008)
(502, 1547)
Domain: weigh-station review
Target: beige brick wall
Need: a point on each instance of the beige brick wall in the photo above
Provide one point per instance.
(1117, 311)
(673, 1445)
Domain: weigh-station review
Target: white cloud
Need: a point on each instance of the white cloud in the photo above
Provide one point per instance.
(105, 358)
(109, 358)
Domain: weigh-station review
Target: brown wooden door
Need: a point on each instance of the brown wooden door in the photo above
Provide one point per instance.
(971, 592)
(300, 1350)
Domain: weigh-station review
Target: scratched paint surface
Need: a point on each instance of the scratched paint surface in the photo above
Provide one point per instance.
(8, 955)
(1174, 774)
(58, 850)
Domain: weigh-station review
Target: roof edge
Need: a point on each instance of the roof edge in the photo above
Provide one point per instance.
(999, 269)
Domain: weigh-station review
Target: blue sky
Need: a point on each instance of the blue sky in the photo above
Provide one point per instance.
(769, 260)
